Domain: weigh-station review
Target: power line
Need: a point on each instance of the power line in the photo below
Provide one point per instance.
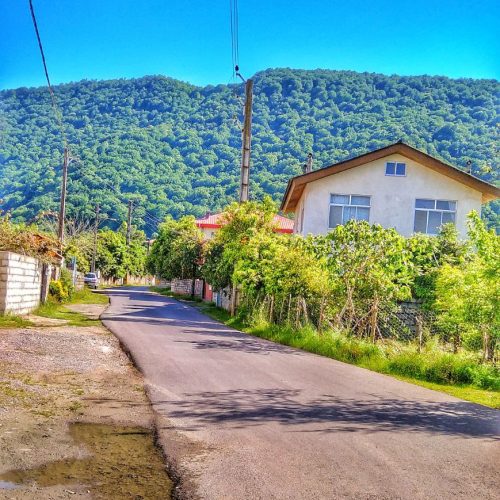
(152, 219)
(234, 23)
(55, 106)
(113, 188)
(149, 219)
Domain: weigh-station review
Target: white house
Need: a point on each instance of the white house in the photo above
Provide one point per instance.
(396, 186)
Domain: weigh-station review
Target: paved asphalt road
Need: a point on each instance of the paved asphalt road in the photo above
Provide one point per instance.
(243, 418)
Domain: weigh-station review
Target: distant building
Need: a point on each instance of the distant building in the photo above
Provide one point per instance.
(396, 186)
(210, 223)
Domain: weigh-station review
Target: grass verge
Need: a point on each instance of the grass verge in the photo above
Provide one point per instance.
(86, 296)
(433, 369)
(57, 310)
(12, 321)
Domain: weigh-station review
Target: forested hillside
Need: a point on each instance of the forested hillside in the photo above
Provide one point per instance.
(175, 148)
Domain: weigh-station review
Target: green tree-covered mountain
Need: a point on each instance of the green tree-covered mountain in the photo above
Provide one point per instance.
(174, 148)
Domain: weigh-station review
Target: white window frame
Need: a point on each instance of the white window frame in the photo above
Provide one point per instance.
(438, 210)
(395, 168)
(350, 205)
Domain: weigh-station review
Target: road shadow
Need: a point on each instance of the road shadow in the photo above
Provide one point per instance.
(237, 408)
(237, 343)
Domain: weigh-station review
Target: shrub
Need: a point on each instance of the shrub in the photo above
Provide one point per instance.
(441, 367)
(62, 289)
(27, 240)
(57, 291)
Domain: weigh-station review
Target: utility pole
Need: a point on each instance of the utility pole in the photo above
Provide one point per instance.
(129, 222)
(246, 141)
(245, 162)
(96, 227)
(62, 209)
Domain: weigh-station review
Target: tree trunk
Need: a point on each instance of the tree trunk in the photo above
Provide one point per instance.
(232, 307)
(488, 345)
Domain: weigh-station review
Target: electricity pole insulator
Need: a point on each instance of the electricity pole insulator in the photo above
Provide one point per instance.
(129, 222)
(246, 142)
(96, 227)
(309, 164)
(62, 209)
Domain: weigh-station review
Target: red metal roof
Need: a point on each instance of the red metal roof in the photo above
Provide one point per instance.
(213, 221)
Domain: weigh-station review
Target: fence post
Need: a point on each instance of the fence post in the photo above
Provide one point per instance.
(418, 324)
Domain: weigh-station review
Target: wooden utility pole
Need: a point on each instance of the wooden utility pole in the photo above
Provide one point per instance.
(64, 183)
(246, 142)
(96, 227)
(129, 222)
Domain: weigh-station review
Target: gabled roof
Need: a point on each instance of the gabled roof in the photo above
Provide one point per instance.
(297, 184)
(214, 221)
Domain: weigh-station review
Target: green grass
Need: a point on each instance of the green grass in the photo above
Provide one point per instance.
(466, 392)
(161, 290)
(12, 321)
(56, 310)
(458, 375)
(86, 296)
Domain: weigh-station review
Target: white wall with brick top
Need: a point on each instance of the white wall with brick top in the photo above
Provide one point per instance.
(20, 283)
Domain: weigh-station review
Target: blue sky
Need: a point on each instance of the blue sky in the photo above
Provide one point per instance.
(189, 39)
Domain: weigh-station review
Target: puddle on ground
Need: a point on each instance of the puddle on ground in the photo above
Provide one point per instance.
(7, 485)
(124, 463)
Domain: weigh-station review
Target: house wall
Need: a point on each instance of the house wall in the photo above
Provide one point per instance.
(392, 198)
(208, 232)
(20, 283)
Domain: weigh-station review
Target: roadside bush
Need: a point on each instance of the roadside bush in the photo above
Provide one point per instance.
(57, 291)
(27, 240)
(468, 292)
(62, 289)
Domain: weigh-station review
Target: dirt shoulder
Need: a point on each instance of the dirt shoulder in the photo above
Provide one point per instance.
(74, 418)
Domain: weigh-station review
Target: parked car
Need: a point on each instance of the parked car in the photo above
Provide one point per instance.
(91, 280)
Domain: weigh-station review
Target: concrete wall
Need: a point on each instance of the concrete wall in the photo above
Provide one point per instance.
(20, 283)
(222, 298)
(185, 287)
(140, 280)
(392, 198)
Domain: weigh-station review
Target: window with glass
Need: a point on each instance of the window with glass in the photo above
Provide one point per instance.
(430, 215)
(395, 168)
(344, 207)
